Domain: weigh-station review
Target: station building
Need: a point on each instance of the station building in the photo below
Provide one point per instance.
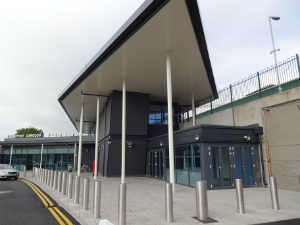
(131, 98)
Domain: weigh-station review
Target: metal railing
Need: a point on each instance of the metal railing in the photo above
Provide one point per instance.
(258, 85)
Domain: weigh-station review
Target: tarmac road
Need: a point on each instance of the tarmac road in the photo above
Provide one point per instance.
(20, 204)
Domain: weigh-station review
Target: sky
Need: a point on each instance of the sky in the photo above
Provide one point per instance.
(44, 44)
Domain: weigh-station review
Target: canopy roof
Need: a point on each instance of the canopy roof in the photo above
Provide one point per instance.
(138, 52)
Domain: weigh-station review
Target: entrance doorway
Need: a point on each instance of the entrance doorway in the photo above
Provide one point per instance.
(156, 164)
(230, 162)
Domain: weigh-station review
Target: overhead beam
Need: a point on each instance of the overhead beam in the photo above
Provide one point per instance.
(107, 96)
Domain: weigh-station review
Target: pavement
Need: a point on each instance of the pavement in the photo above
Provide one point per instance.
(19, 204)
(146, 203)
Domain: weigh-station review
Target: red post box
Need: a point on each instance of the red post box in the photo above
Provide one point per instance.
(94, 168)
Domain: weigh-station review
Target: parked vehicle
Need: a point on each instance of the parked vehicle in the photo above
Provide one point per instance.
(7, 171)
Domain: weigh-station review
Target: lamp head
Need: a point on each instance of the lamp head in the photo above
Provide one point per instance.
(275, 17)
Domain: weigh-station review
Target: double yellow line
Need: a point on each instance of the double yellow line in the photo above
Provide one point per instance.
(48, 204)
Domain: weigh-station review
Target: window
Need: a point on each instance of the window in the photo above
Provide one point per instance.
(158, 114)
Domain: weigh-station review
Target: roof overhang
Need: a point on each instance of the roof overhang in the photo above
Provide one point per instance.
(138, 52)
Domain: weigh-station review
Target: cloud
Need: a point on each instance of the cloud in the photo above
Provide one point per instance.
(43, 45)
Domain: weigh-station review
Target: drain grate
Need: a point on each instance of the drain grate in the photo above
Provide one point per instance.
(209, 220)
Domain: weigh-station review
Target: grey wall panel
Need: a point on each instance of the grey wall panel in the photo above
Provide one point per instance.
(88, 156)
(139, 110)
(137, 119)
(101, 162)
(137, 129)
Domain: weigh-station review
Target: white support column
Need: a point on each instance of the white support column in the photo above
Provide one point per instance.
(80, 142)
(11, 148)
(170, 121)
(123, 131)
(41, 156)
(96, 138)
(193, 110)
(74, 161)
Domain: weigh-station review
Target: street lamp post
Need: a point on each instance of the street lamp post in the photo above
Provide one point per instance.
(274, 50)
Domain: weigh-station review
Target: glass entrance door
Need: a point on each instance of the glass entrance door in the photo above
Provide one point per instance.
(156, 164)
(244, 158)
(221, 160)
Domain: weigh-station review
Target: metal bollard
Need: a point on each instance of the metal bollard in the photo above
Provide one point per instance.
(76, 190)
(59, 179)
(48, 177)
(240, 196)
(70, 186)
(64, 184)
(97, 199)
(122, 204)
(86, 192)
(45, 176)
(201, 200)
(274, 193)
(39, 174)
(42, 175)
(169, 203)
(55, 180)
(24, 171)
(33, 171)
(51, 178)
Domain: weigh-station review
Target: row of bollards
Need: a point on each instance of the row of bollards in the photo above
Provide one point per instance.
(202, 201)
(63, 182)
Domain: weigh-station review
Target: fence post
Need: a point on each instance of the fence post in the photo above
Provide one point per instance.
(231, 95)
(297, 57)
(211, 109)
(259, 85)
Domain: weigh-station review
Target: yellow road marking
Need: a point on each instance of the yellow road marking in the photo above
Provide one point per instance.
(56, 216)
(47, 199)
(45, 203)
(63, 216)
(39, 193)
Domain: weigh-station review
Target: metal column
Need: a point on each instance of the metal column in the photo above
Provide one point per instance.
(274, 193)
(75, 153)
(86, 192)
(96, 138)
(170, 121)
(76, 190)
(59, 180)
(80, 142)
(55, 180)
(240, 196)
(48, 177)
(123, 131)
(64, 184)
(193, 110)
(122, 188)
(201, 200)
(122, 205)
(11, 148)
(51, 178)
(70, 186)
(41, 156)
(169, 203)
(33, 172)
(97, 199)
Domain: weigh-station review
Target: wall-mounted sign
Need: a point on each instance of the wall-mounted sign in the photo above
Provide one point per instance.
(39, 135)
(25, 136)
(64, 134)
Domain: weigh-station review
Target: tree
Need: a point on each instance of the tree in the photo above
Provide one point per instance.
(30, 130)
